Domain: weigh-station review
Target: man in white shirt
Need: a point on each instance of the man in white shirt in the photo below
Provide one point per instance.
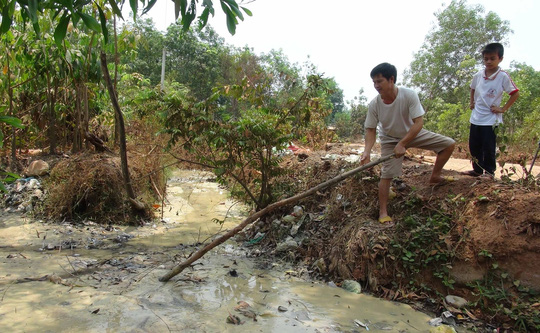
(400, 115)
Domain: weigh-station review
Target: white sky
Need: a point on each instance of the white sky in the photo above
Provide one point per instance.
(345, 39)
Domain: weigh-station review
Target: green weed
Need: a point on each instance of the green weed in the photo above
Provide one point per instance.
(421, 244)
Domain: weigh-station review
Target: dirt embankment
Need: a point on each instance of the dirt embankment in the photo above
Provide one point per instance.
(475, 238)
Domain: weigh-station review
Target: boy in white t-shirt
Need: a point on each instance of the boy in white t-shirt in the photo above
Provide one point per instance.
(487, 88)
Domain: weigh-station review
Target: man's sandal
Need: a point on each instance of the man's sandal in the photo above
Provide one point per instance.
(445, 180)
(385, 219)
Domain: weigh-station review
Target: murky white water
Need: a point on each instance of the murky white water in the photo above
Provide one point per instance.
(119, 290)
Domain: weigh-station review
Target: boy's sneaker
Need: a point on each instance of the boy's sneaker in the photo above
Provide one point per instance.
(471, 173)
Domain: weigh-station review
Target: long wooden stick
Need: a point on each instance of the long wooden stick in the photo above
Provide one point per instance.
(197, 255)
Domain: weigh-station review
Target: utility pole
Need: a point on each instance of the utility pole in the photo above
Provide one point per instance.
(163, 70)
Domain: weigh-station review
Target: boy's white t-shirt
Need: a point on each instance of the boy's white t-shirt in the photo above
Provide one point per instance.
(396, 118)
(488, 91)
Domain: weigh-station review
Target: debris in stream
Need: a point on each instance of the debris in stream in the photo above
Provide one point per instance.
(288, 245)
(258, 237)
(352, 286)
(320, 265)
(122, 238)
(456, 301)
(241, 305)
(23, 195)
(249, 313)
(234, 319)
(245, 309)
(443, 329)
(361, 324)
(446, 318)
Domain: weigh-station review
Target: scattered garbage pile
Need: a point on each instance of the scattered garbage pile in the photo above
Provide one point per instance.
(23, 195)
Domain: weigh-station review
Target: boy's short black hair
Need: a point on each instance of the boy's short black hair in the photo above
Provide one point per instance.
(494, 48)
(386, 70)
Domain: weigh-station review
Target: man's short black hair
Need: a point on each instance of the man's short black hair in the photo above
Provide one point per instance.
(494, 48)
(386, 70)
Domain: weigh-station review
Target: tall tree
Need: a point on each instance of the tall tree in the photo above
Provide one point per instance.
(144, 44)
(523, 119)
(193, 58)
(335, 97)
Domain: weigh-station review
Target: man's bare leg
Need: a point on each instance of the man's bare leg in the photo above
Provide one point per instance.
(442, 157)
(384, 191)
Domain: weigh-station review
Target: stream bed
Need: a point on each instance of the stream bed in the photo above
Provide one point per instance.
(89, 277)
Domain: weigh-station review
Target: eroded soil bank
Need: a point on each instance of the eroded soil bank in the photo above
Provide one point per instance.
(472, 237)
(90, 277)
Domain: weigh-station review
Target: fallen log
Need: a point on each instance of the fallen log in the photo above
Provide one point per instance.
(252, 218)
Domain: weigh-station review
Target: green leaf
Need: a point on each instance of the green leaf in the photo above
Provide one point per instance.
(68, 57)
(134, 8)
(115, 8)
(203, 19)
(189, 15)
(61, 29)
(66, 3)
(180, 6)
(103, 21)
(90, 22)
(247, 11)
(75, 18)
(12, 121)
(231, 20)
(10, 177)
(234, 7)
(6, 20)
(33, 10)
(151, 4)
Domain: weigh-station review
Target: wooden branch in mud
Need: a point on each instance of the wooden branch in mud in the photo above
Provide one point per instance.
(252, 218)
(57, 278)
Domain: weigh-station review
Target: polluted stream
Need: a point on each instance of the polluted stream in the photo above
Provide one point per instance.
(89, 277)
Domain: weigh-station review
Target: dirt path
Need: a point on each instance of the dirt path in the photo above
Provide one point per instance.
(515, 171)
(460, 165)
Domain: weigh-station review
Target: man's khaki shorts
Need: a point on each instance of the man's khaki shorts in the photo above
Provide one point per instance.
(424, 140)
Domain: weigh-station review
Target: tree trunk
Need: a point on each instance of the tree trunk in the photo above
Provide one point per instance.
(250, 219)
(116, 129)
(52, 117)
(123, 150)
(76, 145)
(13, 133)
(85, 114)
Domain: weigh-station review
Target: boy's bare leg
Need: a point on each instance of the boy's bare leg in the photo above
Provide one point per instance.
(442, 157)
(384, 191)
